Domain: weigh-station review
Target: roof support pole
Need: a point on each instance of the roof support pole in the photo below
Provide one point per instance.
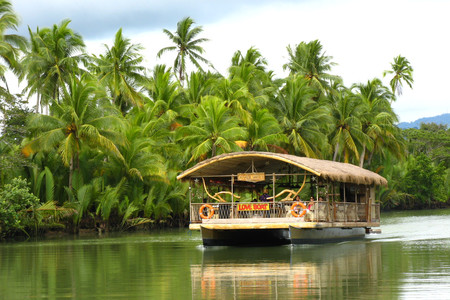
(190, 201)
(316, 207)
(232, 196)
(274, 192)
(345, 205)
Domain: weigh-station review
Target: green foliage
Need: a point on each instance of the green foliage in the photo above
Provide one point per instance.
(307, 60)
(166, 199)
(402, 70)
(186, 46)
(119, 70)
(432, 140)
(425, 181)
(13, 123)
(55, 56)
(15, 200)
(214, 131)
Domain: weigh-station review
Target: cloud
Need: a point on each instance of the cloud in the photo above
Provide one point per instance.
(97, 19)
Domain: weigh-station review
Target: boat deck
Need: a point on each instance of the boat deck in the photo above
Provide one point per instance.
(275, 223)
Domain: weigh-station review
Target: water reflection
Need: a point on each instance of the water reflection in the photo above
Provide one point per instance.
(336, 270)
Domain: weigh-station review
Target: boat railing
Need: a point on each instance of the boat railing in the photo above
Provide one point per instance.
(320, 212)
(375, 212)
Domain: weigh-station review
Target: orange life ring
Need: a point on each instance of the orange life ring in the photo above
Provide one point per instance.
(211, 211)
(294, 213)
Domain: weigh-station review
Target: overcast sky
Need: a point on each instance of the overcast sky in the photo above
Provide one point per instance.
(362, 36)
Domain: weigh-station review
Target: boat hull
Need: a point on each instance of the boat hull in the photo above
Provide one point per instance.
(324, 235)
(244, 237)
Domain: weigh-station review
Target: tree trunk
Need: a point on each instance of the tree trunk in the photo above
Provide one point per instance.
(363, 154)
(213, 150)
(37, 104)
(336, 149)
(70, 173)
(370, 157)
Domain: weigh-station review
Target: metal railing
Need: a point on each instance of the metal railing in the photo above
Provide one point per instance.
(320, 212)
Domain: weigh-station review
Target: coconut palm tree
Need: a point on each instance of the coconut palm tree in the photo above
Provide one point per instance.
(140, 162)
(80, 120)
(307, 60)
(347, 134)
(186, 45)
(10, 44)
(119, 69)
(198, 84)
(402, 70)
(251, 70)
(301, 117)
(264, 131)
(236, 96)
(377, 117)
(55, 55)
(163, 90)
(214, 130)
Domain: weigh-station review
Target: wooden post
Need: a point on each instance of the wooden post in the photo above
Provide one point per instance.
(190, 202)
(316, 207)
(232, 196)
(345, 205)
(327, 202)
(273, 193)
(367, 204)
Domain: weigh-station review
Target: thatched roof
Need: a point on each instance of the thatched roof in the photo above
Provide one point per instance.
(241, 162)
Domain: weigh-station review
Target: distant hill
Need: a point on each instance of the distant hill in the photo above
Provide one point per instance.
(441, 119)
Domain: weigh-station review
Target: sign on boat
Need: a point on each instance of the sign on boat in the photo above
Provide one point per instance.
(271, 198)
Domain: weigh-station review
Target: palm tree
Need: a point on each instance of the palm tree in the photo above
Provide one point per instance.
(251, 70)
(214, 131)
(121, 72)
(80, 120)
(251, 57)
(163, 90)
(264, 131)
(301, 117)
(140, 162)
(236, 96)
(199, 84)
(54, 57)
(402, 71)
(186, 45)
(10, 44)
(377, 118)
(347, 134)
(307, 60)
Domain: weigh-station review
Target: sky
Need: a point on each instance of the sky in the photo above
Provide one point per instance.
(363, 37)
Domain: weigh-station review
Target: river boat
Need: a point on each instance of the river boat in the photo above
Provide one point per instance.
(263, 198)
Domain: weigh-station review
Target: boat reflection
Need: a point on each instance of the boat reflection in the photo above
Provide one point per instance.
(335, 270)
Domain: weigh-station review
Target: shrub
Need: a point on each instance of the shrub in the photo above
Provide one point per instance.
(15, 200)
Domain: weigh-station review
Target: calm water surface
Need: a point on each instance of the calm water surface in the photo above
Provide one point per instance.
(409, 260)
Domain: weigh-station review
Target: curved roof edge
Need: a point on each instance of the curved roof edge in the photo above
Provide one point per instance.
(332, 170)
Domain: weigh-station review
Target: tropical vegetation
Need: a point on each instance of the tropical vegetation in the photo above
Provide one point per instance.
(107, 136)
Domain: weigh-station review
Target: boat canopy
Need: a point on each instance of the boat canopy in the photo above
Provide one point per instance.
(269, 163)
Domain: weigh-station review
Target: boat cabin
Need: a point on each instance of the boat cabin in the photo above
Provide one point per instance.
(252, 197)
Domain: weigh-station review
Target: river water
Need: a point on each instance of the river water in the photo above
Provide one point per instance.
(410, 259)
